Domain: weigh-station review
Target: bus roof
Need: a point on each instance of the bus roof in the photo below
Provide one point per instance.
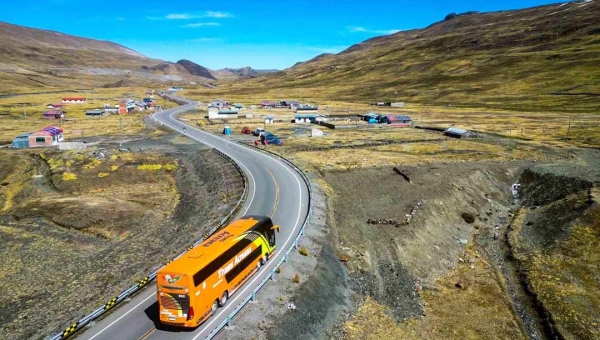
(204, 253)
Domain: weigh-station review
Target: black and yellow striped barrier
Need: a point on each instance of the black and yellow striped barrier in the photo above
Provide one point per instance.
(143, 282)
(69, 330)
(110, 303)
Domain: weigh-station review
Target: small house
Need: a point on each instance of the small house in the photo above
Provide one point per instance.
(396, 121)
(371, 117)
(459, 133)
(55, 106)
(239, 106)
(48, 136)
(53, 114)
(224, 113)
(308, 117)
(148, 100)
(301, 108)
(397, 104)
(267, 104)
(291, 104)
(21, 141)
(74, 100)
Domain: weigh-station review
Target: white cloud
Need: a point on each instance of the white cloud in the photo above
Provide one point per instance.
(207, 14)
(358, 29)
(220, 15)
(180, 16)
(201, 24)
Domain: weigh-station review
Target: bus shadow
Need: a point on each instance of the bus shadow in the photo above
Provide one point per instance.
(152, 314)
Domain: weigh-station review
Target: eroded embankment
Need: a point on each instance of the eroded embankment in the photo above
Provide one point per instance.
(554, 239)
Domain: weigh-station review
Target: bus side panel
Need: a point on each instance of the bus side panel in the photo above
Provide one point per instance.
(247, 267)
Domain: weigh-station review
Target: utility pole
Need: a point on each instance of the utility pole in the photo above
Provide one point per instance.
(121, 127)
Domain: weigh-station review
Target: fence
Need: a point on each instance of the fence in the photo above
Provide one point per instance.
(252, 296)
(72, 329)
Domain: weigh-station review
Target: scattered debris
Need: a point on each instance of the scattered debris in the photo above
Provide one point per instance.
(515, 190)
(397, 223)
(291, 306)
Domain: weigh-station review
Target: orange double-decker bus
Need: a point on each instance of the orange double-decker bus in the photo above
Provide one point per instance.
(191, 288)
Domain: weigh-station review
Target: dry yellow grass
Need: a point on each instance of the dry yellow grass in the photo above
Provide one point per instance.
(24, 114)
(565, 278)
(478, 310)
(545, 127)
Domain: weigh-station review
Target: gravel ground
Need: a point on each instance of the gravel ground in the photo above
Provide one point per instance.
(322, 298)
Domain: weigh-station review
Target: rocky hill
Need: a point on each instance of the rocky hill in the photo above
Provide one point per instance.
(239, 73)
(195, 69)
(32, 58)
(537, 58)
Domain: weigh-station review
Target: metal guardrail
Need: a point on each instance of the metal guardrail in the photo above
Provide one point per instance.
(252, 296)
(76, 326)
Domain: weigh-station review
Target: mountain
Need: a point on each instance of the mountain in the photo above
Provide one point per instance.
(195, 69)
(544, 57)
(32, 57)
(239, 73)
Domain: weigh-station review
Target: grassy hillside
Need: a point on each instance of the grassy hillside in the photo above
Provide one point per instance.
(542, 58)
(34, 58)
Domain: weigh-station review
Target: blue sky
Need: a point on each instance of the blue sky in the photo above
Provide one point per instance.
(261, 34)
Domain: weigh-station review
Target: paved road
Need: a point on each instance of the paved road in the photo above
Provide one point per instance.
(274, 190)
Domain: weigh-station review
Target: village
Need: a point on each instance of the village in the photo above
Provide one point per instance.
(221, 115)
(224, 114)
(54, 136)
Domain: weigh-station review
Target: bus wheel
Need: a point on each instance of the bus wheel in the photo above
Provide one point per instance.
(224, 299)
(214, 307)
(263, 260)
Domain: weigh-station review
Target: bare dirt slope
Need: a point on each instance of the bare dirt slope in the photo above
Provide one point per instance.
(555, 239)
(94, 222)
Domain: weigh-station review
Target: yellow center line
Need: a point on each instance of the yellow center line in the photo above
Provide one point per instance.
(276, 190)
(145, 336)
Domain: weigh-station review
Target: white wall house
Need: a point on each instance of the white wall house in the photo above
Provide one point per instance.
(215, 112)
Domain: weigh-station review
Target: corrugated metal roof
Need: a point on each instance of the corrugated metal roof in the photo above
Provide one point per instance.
(24, 135)
(457, 131)
(307, 115)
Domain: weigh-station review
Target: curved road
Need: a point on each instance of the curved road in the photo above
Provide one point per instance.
(274, 189)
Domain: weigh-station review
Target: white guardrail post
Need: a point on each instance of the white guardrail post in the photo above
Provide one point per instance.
(272, 276)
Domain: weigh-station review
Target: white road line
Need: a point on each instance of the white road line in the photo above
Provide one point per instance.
(292, 234)
(251, 283)
(122, 316)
